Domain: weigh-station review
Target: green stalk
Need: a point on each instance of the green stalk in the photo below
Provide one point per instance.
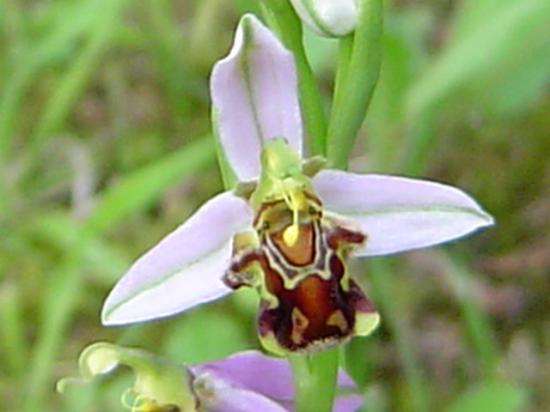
(356, 82)
(314, 375)
(75, 79)
(359, 63)
(344, 57)
(314, 379)
(285, 22)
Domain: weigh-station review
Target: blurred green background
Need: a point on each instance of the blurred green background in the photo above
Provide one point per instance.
(105, 146)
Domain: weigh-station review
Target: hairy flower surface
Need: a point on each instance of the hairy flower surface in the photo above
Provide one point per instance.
(288, 227)
(244, 382)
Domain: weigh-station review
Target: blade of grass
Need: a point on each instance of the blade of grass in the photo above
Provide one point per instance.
(65, 283)
(180, 82)
(481, 52)
(38, 54)
(476, 322)
(12, 331)
(382, 286)
(143, 187)
(474, 56)
(74, 80)
(59, 301)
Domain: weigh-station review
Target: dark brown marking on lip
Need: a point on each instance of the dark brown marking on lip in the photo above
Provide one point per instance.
(358, 299)
(323, 303)
(237, 274)
(336, 266)
(339, 236)
(263, 208)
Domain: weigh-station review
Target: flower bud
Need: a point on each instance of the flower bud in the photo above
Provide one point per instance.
(329, 18)
(159, 386)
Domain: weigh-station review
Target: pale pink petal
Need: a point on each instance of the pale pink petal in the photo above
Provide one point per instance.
(266, 375)
(254, 95)
(398, 213)
(347, 403)
(241, 400)
(184, 269)
(254, 371)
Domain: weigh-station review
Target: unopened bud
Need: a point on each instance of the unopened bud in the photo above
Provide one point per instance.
(329, 18)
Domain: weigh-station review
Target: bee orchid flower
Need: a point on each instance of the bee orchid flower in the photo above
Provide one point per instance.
(288, 227)
(247, 381)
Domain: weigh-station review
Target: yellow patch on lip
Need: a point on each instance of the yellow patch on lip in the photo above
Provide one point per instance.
(365, 323)
(290, 235)
(299, 324)
(337, 319)
(293, 195)
(302, 252)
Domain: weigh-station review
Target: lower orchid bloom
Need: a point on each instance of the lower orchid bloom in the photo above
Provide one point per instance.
(244, 382)
(288, 228)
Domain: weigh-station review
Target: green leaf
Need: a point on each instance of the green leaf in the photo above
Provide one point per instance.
(190, 341)
(67, 26)
(481, 52)
(74, 80)
(143, 187)
(490, 397)
(131, 194)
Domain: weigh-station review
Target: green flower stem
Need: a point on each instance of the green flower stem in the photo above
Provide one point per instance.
(344, 56)
(356, 82)
(285, 22)
(315, 380)
(314, 375)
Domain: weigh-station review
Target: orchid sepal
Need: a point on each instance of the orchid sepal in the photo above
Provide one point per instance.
(254, 97)
(184, 269)
(397, 213)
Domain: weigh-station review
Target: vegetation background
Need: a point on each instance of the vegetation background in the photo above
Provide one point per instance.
(105, 146)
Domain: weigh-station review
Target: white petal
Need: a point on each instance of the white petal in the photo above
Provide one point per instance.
(255, 97)
(184, 269)
(398, 213)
